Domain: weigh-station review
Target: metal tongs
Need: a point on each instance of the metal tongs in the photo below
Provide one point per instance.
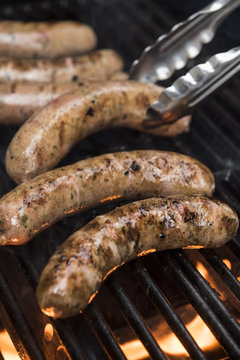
(172, 51)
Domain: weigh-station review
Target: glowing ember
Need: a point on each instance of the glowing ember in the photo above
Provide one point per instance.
(48, 332)
(227, 263)
(7, 348)
(110, 198)
(169, 343)
(200, 332)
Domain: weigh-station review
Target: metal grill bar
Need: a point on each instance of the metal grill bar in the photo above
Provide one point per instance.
(134, 319)
(210, 295)
(69, 340)
(167, 311)
(17, 318)
(198, 301)
(223, 271)
(97, 321)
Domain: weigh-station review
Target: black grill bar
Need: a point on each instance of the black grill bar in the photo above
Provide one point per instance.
(167, 311)
(134, 319)
(198, 301)
(223, 271)
(102, 329)
(11, 305)
(234, 246)
(1, 356)
(69, 339)
(210, 294)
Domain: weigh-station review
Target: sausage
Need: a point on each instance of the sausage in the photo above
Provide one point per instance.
(18, 101)
(35, 205)
(73, 116)
(75, 272)
(45, 39)
(99, 64)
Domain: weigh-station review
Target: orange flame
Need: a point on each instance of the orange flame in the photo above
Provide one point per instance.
(134, 350)
(7, 348)
(109, 198)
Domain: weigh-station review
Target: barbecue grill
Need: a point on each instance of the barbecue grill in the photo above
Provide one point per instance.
(153, 297)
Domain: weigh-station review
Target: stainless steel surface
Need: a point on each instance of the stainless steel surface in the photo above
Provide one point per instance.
(171, 51)
(189, 90)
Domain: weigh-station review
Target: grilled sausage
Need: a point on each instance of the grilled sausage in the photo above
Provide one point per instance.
(41, 39)
(18, 101)
(77, 269)
(50, 133)
(35, 205)
(99, 64)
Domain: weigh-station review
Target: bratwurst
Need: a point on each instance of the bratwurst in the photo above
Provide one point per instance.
(45, 39)
(99, 64)
(50, 133)
(35, 205)
(77, 269)
(19, 101)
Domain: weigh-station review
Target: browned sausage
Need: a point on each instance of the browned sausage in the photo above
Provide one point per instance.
(35, 205)
(50, 133)
(99, 64)
(41, 39)
(18, 101)
(77, 269)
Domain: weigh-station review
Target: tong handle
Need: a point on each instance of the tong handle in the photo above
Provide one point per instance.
(171, 51)
(189, 90)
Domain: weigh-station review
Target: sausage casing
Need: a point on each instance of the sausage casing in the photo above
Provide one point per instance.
(77, 269)
(19, 101)
(41, 39)
(35, 205)
(50, 133)
(99, 64)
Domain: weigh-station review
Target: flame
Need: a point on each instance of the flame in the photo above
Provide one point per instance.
(48, 332)
(169, 343)
(112, 270)
(227, 263)
(145, 252)
(200, 332)
(7, 348)
(109, 198)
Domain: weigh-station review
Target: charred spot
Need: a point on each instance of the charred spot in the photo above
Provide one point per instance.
(57, 267)
(11, 157)
(126, 172)
(123, 229)
(26, 202)
(189, 216)
(108, 162)
(175, 202)
(90, 111)
(162, 236)
(79, 169)
(150, 162)
(134, 166)
(142, 211)
(62, 258)
(74, 78)
(80, 84)
(93, 101)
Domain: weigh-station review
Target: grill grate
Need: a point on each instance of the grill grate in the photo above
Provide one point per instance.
(214, 140)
